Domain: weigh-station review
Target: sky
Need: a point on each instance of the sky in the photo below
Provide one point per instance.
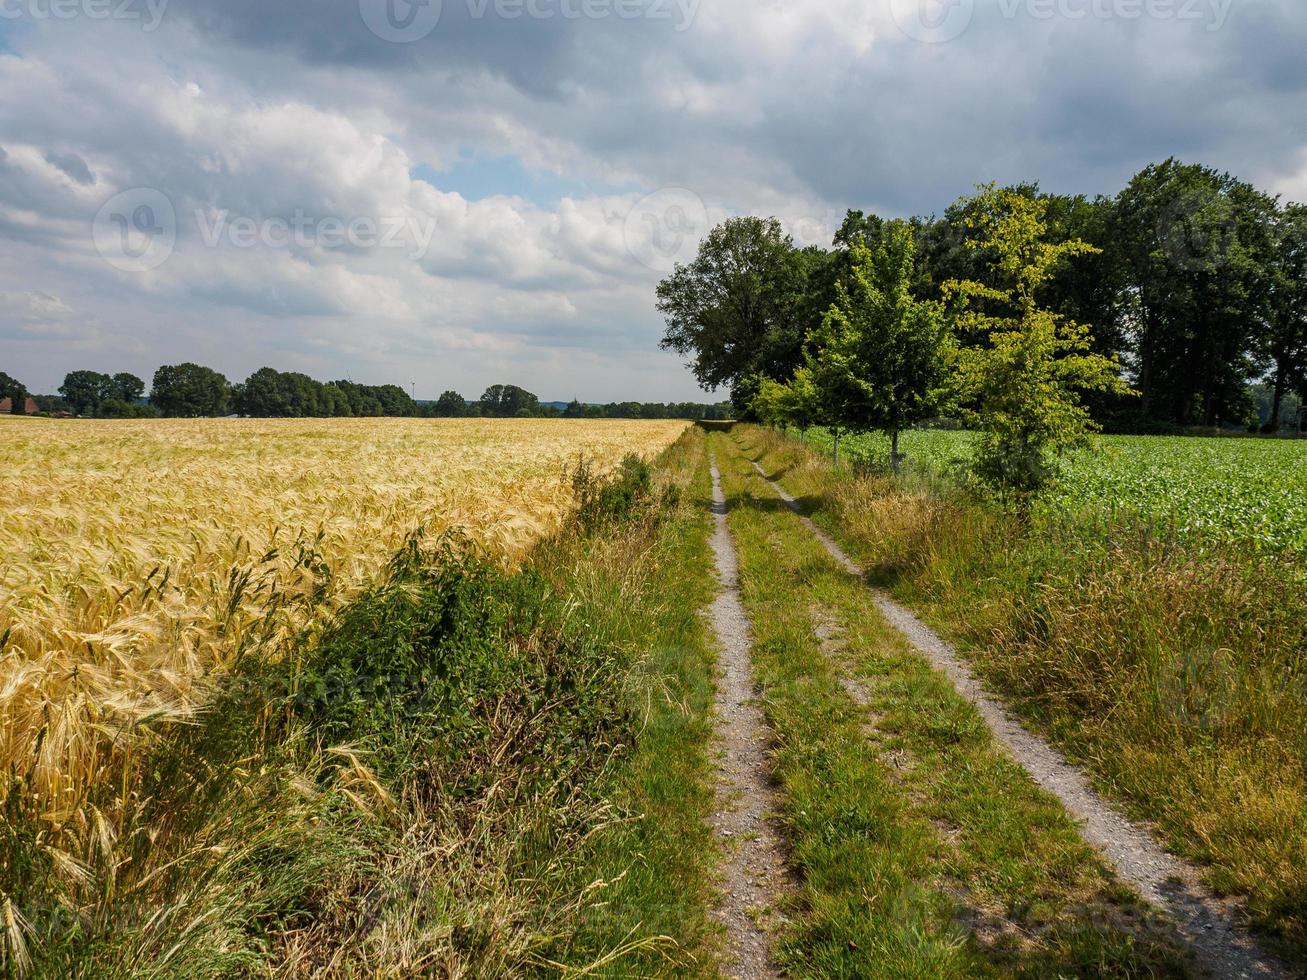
(455, 193)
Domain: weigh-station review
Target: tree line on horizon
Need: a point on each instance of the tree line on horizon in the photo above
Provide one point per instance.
(190, 390)
(1191, 281)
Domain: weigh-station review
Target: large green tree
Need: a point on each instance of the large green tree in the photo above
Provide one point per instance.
(1023, 375)
(885, 357)
(1192, 250)
(189, 390)
(738, 309)
(85, 390)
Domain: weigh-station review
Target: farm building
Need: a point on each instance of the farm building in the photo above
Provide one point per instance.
(7, 406)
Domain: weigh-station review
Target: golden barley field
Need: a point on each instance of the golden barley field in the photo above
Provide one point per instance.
(141, 556)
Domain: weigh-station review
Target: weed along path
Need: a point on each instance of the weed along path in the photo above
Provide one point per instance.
(753, 876)
(1218, 944)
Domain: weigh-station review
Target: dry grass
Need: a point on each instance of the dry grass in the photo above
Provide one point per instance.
(140, 557)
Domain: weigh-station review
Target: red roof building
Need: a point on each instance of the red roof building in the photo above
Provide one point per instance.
(7, 406)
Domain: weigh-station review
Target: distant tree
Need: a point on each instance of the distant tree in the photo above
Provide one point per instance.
(262, 395)
(116, 408)
(335, 401)
(574, 410)
(506, 401)
(49, 403)
(395, 401)
(1024, 378)
(885, 357)
(189, 391)
(736, 310)
(14, 389)
(450, 404)
(127, 387)
(85, 390)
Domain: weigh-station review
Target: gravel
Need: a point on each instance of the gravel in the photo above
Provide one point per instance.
(753, 877)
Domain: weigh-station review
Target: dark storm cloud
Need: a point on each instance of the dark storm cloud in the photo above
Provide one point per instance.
(72, 165)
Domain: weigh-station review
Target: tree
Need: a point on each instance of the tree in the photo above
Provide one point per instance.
(13, 389)
(736, 310)
(885, 357)
(262, 395)
(85, 390)
(1285, 340)
(507, 401)
(127, 387)
(1192, 249)
(792, 403)
(450, 404)
(189, 391)
(1024, 376)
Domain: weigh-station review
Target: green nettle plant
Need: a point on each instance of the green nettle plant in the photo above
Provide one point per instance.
(885, 358)
(1024, 367)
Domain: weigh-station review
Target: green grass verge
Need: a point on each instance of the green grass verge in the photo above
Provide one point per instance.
(1176, 676)
(921, 849)
(473, 772)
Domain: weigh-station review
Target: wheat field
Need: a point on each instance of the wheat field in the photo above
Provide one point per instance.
(142, 556)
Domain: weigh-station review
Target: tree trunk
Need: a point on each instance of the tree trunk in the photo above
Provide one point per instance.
(894, 452)
(1277, 398)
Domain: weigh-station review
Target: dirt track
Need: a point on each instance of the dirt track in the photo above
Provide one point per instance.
(1218, 942)
(753, 874)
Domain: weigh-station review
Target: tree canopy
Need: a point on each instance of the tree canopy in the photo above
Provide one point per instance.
(737, 310)
(1193, 286)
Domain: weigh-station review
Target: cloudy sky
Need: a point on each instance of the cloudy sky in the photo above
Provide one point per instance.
(452, 193)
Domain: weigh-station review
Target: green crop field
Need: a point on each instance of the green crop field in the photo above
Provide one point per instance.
(1220, 489)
